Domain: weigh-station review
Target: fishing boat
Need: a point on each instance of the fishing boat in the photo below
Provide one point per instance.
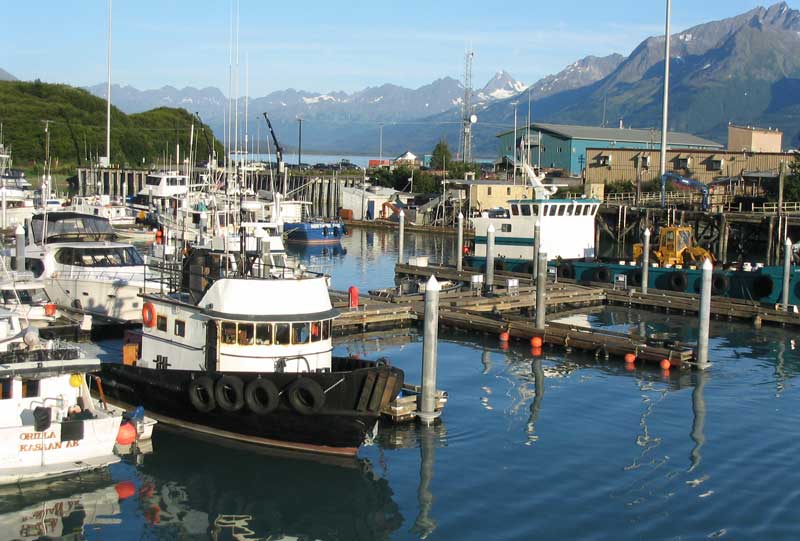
(84, 268)
(314, 232)
(242, 350)
(51, 426)
(116, 212)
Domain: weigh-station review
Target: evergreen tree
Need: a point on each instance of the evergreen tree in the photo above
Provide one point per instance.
(441, 156)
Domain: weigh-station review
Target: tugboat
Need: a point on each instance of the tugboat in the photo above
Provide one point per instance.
(51, 426)
(241, 349)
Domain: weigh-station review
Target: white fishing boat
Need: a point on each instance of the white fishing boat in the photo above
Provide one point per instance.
(161, 190)
(116, 212)
(51, 426)
(84, 268)
(26, 297)
(16, 198)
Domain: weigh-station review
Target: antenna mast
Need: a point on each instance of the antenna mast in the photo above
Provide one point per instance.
(465, 140)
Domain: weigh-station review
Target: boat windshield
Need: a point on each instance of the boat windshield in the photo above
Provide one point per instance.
(124, 256)
(153, 181)
(25, 296)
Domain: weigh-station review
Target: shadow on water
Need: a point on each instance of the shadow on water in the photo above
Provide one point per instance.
(192, 486)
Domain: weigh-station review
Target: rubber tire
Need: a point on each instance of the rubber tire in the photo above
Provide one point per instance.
(227, 384)
(635, 278)
(565, 270)
(305, 396)
(499, 264)
(206, 385)
(762, 286)
(254, 403)
(601, 274)
(719, 284)
(678, 281)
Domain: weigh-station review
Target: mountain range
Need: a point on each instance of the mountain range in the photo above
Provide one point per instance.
(743, 69)
(5, 76)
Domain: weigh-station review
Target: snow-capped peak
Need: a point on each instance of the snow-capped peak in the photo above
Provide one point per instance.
(501, 86)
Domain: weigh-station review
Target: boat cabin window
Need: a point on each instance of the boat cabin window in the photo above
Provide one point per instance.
(153, 181)
(30, 388)
(535, 209)
(526, 210)
(264, 334)
(245, 334)
(125, 256)
(282, 334)
(180, 327)
(553, 210)
(300, 333)
(326, 329)
(25, 296)
(562, 210)
(5, 388)
(515, 210)
(505, 228)
(228, 332)
(316, 331)
(161, 323)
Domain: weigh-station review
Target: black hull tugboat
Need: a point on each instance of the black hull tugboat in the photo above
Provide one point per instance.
(244, 352)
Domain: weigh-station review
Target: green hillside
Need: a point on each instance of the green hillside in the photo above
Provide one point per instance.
(78, 128)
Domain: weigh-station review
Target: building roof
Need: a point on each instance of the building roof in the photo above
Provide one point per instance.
(407, 155)
(622, 134)
(756, 128)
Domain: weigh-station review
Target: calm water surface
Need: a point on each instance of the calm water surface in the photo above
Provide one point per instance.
(556, 447)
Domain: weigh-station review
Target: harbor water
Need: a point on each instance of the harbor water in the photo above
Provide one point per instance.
(556, 446)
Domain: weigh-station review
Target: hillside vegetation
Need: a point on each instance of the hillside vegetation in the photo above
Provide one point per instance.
(78, 128)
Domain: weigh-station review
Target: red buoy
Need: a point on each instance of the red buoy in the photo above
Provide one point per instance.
(504, 346)
(125, 489)
(465, 249)
(536, 342)
(352, 294)
(126, 434)
(504, 336)
(665, 364)
(630, 358)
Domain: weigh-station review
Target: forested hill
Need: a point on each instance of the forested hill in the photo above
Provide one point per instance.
(78, 127)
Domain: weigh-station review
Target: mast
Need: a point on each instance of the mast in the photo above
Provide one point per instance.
(108, 93)
(665, 112)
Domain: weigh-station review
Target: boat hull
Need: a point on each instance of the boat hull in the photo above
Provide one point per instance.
(314, 233)
(347, 417)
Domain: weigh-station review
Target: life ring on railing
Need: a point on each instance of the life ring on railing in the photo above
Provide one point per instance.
(719, 283)
(229, 392)
(261, 396)
(678, 281)
(149, 314)
(305, 396)
(201, 394)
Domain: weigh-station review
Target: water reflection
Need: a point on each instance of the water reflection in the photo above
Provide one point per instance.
(191, 486)
(699, 421)
(61, 509)
(536, 404)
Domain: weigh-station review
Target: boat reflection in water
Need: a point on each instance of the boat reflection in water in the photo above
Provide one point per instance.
(61, 509)
(195, 487)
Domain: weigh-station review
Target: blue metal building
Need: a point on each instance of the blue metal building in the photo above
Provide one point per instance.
(558, 146)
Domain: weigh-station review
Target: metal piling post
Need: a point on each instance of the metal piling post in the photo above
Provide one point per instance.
(787, 273)
(460, 243)
(400, 257)
(705, 316)
(19, 233)
(489, 286)
(541, 281)
(427, 412)
(537, 246)
(646, 261)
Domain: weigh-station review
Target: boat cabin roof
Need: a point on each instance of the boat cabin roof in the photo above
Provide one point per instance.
(71, 225)
(556, 201)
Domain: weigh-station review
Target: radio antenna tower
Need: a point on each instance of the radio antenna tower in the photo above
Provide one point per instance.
(465, 140)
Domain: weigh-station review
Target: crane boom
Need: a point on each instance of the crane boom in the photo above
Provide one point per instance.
(540, 190)
(278, 147)
(685, 182)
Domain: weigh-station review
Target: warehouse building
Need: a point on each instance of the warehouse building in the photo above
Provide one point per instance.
(557, 147)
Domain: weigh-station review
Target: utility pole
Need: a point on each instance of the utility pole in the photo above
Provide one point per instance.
(380, 146)
(299, 140)
(665, 105)
(108, 94)
(467, 118)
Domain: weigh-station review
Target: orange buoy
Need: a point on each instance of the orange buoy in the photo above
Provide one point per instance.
(126, 434)
(465, 249)
(504, 336)
(536, 352)
(665, 364)
(536, 342)
(125, 489)
(630, 358)
(149, 314)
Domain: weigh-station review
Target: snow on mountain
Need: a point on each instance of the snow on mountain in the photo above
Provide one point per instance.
(500, 87)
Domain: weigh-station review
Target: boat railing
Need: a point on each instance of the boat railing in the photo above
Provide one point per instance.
(104, 275)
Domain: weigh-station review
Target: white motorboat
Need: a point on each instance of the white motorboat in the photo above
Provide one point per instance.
(51, 426)
(117, 213)
(84, 269)
(26, 297)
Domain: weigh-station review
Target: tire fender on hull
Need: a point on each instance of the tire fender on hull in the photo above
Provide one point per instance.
(201, 394)
(229, 392)
(305, 396)
(261, 396)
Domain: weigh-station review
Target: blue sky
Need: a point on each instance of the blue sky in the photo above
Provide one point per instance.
(323, 45)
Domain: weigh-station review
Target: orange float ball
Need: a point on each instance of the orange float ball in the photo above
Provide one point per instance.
(504, 336)
(536, 352)
(126, 434)
(125, 489)
(630, 358)
(665, 364)
(536, 342)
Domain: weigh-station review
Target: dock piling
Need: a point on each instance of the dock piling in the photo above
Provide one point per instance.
(646, 260)
(460, 243)
(427, 412)
(537, 246)
(787, 273)
(400, 257)
(541, 281)
(19, 232)
(489, 286)
(705, 316)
